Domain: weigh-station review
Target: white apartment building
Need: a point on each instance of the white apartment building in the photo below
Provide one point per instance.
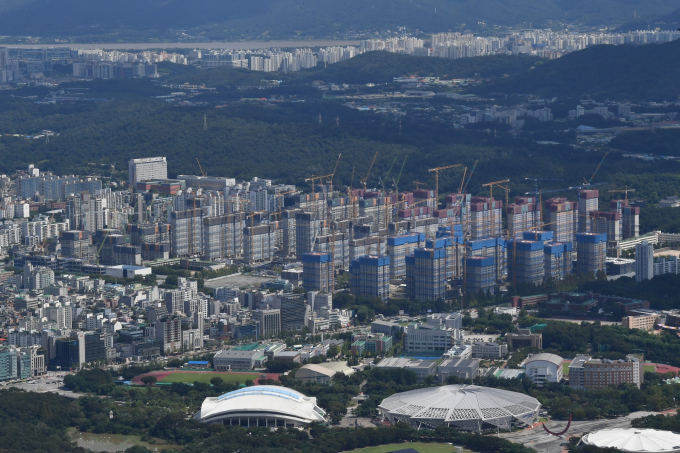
(645, 268)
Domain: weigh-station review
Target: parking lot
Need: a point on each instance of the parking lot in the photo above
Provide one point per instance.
(51, 383)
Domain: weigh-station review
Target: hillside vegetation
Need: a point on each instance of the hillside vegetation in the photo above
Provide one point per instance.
(648, 72)
(370, 67)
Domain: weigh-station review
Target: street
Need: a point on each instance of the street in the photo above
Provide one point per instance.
(543, 442)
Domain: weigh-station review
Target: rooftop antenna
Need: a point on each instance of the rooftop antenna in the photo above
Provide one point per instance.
(205, 122)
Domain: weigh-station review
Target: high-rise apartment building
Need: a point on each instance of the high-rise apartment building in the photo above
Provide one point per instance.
(644, 261)
(398, 248)
(485, 217)
(479, 274)
(495, 248)
(318, 272)
(522, 215)
(370, 276)
(562, 219)
(75, 244)
(223, 236)
(426, 274)
(591, 253)
(587, 202)
(558, 258)
(147, 169)
(526, 262)
(186, 232)
(169, 333)
(608, 223)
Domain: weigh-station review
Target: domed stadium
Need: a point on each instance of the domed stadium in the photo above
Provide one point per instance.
(635, 440)
(261, 406)
(467, 407)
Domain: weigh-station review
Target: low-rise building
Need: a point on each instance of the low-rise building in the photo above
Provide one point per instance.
(642, 322)
(588, 373)
(489, 350)
(422, 368)
(542, 368)
(430, 340)
(460, 368)
(524, 339)
(238, 360)
(314, 373)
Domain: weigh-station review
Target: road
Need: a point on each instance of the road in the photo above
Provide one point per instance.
(244, 45)
(543, 442)
(51, 383)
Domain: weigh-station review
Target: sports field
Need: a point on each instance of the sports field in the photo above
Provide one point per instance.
(421, 447)
(190, 378)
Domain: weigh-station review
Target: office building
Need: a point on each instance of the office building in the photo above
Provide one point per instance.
(269, 322)
(75, 244)
(588, 373)
(68, 354)
(370, 276)
(427, 339)
(591, 253)
(459, 368)
(479, 274)
(147, 169)
(318, 272)
(426, 274)
(169, 333)
(644, 261)
(8, 364)
(489, 350)
(294, 311)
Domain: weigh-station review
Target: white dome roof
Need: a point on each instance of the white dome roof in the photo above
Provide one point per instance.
(635, 440)
(262, 400)
(461, 405)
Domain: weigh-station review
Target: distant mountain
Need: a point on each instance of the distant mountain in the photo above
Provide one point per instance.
(665, 22)
(628, 72)
(232, 19)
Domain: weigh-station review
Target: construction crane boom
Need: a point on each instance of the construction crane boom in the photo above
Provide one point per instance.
(436, 176)
(469, 177)
(199, 166)
(369, 170)
(624, 189)
(587, 183)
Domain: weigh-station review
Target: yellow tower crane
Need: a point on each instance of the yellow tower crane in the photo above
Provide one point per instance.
(436, 176)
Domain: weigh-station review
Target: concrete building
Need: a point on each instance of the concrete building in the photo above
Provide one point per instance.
(186, 232)
(460, 368)
(642, 322)
(425, 339)
(562, 219)
(495, 248)
(169, 333)
(294, 311)
(485, 217)
(398, 248)
(75, 244)
(608, 223)
(147, 169)
(238, 360)
(480, 274)
(644, 261)
(522, 215)
(544, 367)
(587, 202)
(422, 368)
(525, 338)
(223, 236)
(315, 374)
(453, 247)
(269, 321)
(630, 218)
(370, 276)
(426, 274)
(557, 260)
(318, 272)
(591, 253)
(588, 373)
(489, 350)
(526, 261)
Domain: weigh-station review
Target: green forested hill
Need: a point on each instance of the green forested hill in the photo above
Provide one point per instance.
(285, 142)
(648, 72)
(373, 67)
(232, 19)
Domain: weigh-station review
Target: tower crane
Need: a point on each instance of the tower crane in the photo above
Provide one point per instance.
(436, 176)
(315, 178)
(624, 189)
(464, 189)
(199, 166)
(363, 181)
(490, 186)
(418, 183)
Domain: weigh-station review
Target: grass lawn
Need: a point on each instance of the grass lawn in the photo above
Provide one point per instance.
(565, 369)
(650, 368)
(419, 446)
(190, 378)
